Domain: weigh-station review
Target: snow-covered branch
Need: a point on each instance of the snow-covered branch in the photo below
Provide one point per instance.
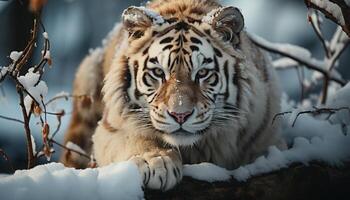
(336, 10)
(297, 54)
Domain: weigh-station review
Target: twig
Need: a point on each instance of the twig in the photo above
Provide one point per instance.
(316, 111)
(66, 97)
(11, 119)
(337, 40)
(69, 149)
(280, 114)
(28, 50)
(315, 23)
(7, 159)
(59, 116)
(30, 155)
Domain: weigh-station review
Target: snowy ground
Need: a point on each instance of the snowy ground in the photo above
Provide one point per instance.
(54, 181)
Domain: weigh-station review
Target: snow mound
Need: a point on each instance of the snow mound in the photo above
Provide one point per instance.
(333, 150)
(15, 55)
(54, 181)
(341, 99)
(206, 172)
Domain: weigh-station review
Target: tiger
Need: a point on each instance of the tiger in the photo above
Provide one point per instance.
(176, 82)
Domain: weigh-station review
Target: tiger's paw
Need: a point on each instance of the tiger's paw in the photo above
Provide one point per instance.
(158, 172)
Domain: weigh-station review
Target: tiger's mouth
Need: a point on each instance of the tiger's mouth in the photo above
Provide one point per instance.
(183, 132)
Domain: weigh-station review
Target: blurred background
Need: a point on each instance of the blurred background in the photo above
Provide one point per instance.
(75, 26)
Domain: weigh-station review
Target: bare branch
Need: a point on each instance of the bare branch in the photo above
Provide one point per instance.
(315, 111)
(69, 149)
(11, 119)
(66, 97)
(314, 19)
(31, 160)
(280, 114)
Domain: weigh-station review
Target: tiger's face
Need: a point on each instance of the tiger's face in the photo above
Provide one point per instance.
(180, 79)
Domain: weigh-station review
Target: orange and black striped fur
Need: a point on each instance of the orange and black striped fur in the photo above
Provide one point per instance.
(181, 83)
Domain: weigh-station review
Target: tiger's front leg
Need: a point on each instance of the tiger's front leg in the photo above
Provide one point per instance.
(160, 167)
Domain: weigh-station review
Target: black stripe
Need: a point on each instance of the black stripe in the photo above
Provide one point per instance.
(145, 51)
(236, 82)
(216, 81)
(189, 67)
(227, 76)
(181, 26)
(216, 64)
(168, 47)
(145, 64)
(185, 52)
(166, 40)
(217, 52)
(145, 80)
(196, 41)
(202, 121)
(154, 60)
(194, 48)
(137, 93)
(207, 31)
(127, 75)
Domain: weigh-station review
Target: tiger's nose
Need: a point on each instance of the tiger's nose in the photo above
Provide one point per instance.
(180, 117)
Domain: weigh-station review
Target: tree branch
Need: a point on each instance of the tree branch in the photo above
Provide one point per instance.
(336, 10)
(307, 62)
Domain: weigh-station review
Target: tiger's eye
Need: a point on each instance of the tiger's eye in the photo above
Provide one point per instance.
(202, 73)
(158, 72)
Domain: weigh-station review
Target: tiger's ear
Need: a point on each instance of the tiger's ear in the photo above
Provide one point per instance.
(137, 19)
(227, 21)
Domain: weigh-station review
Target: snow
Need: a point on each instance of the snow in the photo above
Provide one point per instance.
(3, 71)
(47, 54)
(206, 172)
(156, 18)
(284, 63)
(15, 55)
(297, 51)
(37, 88)
(33, 144)
(294, 116)
(341, 99)
(46, 35)
(332, 149)
(75, 147)
(332, 8)
(210, 16)
(347, 2)
(310, 140)
(54, 181)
